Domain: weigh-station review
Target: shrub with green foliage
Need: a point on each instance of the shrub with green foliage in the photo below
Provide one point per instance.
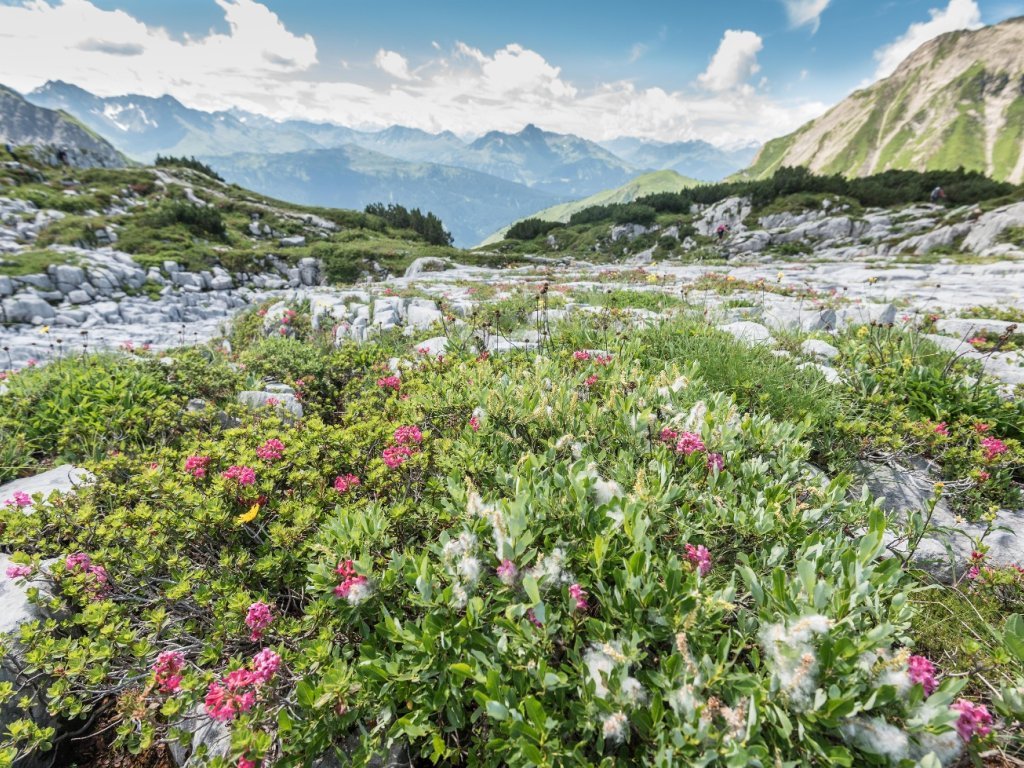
(528, 229)
(576, 558)
(187, 162)
(426, 225)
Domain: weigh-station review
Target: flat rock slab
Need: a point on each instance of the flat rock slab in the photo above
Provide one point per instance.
(63, 479)
(943, 553)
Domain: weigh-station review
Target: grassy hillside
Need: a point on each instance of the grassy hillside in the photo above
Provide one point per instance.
(647, 184)
(151, 213)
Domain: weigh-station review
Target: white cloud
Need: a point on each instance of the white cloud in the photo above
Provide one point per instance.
(261, 66)
(394, 63)
(637, 52)
(959, 14)
(802, 12)
(734, 62)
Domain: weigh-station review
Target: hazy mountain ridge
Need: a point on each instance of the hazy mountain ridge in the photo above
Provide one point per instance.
(471, 204)
(958, 100)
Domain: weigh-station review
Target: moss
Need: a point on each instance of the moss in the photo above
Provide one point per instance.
(32, 262)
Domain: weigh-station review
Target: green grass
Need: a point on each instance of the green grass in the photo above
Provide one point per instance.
(32, 262)
(1006, 153)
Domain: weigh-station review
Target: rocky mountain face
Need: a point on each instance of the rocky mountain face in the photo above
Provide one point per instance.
(958, 100)
(23, 123)
(471, 204)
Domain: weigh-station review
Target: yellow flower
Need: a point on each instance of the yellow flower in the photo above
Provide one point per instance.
(730, 279)
(779, 276)
(862, 331)
(652, 279)
(249, 516)
(45, 329)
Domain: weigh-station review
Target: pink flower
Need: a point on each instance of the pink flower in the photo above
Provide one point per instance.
(283, 330)
(983, 475)
(981, 427)
(353, 587)
(20, 499)
(474, 423)
(977, 340)
(921, 670)
(973, 572)
(243, 475)
(345, 483)
(507, 572)
(974, 719)
(408, 435)
(78, 562)
(699, 557)
(196, 465)
(19, 571)
(603, 359)
(265, 665)
(272, 450)
(224, 701)
(590, 381)
(942, 429)
(715, 462)
(167, 671)
(582, 355)
(669, 435)
(577, 593)
(533, 618)
(396, 455)
(993, 447)
(689, 443)
(258, 618)
(272, 402)
(246, 763)
(31, 362)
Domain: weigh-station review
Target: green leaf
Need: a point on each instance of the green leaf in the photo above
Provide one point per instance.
(532, 590)
(1013, 635)
(497, 710)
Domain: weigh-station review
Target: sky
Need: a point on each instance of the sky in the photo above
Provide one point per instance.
(728, 72)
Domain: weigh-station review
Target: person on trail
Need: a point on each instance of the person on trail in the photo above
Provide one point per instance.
(938, 194)
(721, 231)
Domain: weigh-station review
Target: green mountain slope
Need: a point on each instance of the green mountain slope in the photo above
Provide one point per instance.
(648, 184)
(958, 100)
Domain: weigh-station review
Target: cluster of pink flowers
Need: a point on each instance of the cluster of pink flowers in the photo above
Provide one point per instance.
(974, 720)
(244, 762)
(390, 382)
(345, 483)
(243, 475)
(581, 355)
(921, 670)
(474, 423)
(127, 346)
(396, 455)
(507, 572)
(689, 443)
(20, 499)
(602, 359)
(977, 558)
(942, 429)
(353, 587)
(167, 671)
(715, 462)
(669, 436)
(257, 619)
(993, 447)
(272, 450)
(19, 571)
(236, 692)
(577, 593)
(699, 557)
(82, 563)
(981, 427)
(406, 439)
(196, 465)
(590, 381)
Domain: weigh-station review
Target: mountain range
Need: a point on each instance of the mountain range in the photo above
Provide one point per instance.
(958, 100)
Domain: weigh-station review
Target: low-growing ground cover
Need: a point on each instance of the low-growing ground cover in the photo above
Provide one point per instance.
(615, 550)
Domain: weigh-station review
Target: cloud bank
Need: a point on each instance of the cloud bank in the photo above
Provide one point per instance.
(262, 66)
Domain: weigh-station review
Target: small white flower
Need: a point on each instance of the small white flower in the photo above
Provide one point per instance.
(878, 737)
(633, 691)
(577, 450)
(469, 569)
(682, 701)
(459, 595)
(357, 593)
(615, 727)
(562, 442)
(946, 746)
(606, 490)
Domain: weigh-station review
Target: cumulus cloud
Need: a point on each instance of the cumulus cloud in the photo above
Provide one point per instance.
(734, 62)
(394, 63)
(804, 12)
(261, 66)
(959, 14)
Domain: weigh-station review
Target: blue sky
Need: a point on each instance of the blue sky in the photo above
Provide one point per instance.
(726, 71)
